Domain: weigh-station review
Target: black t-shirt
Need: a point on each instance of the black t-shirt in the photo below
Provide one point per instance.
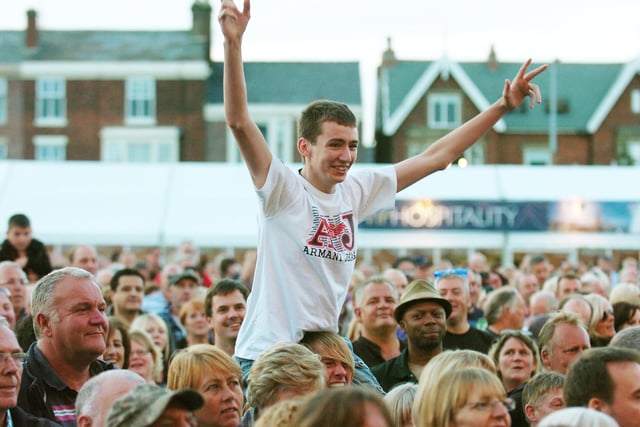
(473, 339)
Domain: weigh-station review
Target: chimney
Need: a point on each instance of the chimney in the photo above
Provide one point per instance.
(32, 29)
(389, 56)
(201, 27)
(492, 62)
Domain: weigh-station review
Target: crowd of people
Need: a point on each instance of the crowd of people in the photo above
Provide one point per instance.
(418, 345)
(301, 332)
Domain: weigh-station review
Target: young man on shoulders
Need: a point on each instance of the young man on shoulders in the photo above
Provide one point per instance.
(308, 221)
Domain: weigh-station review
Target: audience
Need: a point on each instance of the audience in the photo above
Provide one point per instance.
(578, 417)
(145, 359)
(64, 364)
(400, 401)
(334, 354)
(374, 302)
(472, 397)
(225, 305)
(561, 340)
(71, 330)
(606, 379)
(542, 395)
(97, 395)
(283, 371)
(194, 320)
(216, 376)
(118, 349)
(422, 315)
(153, 406)
(516, 357)
(347, 406)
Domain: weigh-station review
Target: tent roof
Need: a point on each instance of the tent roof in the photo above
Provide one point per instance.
(214, 204)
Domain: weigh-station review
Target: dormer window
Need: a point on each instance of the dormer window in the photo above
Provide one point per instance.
(444, 111)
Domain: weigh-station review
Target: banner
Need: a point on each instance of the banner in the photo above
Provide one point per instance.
(574, 215)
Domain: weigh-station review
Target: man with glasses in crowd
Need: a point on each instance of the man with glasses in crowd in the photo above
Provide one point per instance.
(11, 359)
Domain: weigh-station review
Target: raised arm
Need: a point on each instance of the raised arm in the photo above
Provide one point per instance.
(251, 142)
(448, 148)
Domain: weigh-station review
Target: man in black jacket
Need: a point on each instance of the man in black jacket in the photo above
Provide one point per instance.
(71, 328)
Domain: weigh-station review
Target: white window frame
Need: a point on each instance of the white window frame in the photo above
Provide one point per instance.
(50, 147)
(279, 137)
(4, 100)
(140, 93)
(51, 102)
(440, 102)
(633, 149)
(117, 143)
(635, 101)
(536, 154)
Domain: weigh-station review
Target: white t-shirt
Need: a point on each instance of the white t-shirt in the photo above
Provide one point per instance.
(306, 253)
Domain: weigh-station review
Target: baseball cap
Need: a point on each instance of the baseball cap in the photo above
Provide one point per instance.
(419, 290)
(185, 274)
(143, 405)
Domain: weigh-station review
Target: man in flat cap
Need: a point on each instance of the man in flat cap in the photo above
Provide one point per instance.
(422, 315)
(149, 405)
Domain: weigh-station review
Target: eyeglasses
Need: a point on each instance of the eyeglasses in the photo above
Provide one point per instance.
(15, 282)
(451, 272)
(18, 358)
(490, 405)
(606, 314)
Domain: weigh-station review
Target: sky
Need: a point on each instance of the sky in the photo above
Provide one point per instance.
(357, 30)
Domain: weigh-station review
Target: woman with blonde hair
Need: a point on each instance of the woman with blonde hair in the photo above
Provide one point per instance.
(448, 360)
(193, 317)
(400, 400)
(157, 329)
(145, 359)
(216, 376)
(602, 323)
(468, 397)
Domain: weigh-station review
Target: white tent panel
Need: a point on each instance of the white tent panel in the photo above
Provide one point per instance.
(215, 205)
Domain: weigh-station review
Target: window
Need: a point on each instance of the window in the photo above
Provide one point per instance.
(4, 95)
(50, 102)
(633, 148)
(277, 131)
(4, 148)
(50, 147)
(635, 101)
(444, 111)
(155, 145)
(140, 100)
(536, 155)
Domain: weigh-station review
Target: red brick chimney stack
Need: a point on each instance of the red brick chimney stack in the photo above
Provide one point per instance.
(32, 29)
(201, 10)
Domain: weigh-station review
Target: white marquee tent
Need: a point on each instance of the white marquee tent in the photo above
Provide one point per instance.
(214, 205)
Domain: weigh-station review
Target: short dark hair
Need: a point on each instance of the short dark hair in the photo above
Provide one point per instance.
(223, 287)
(589, 377)
(402, 259)
(20, 221)
(321, 111)
(124, 272)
